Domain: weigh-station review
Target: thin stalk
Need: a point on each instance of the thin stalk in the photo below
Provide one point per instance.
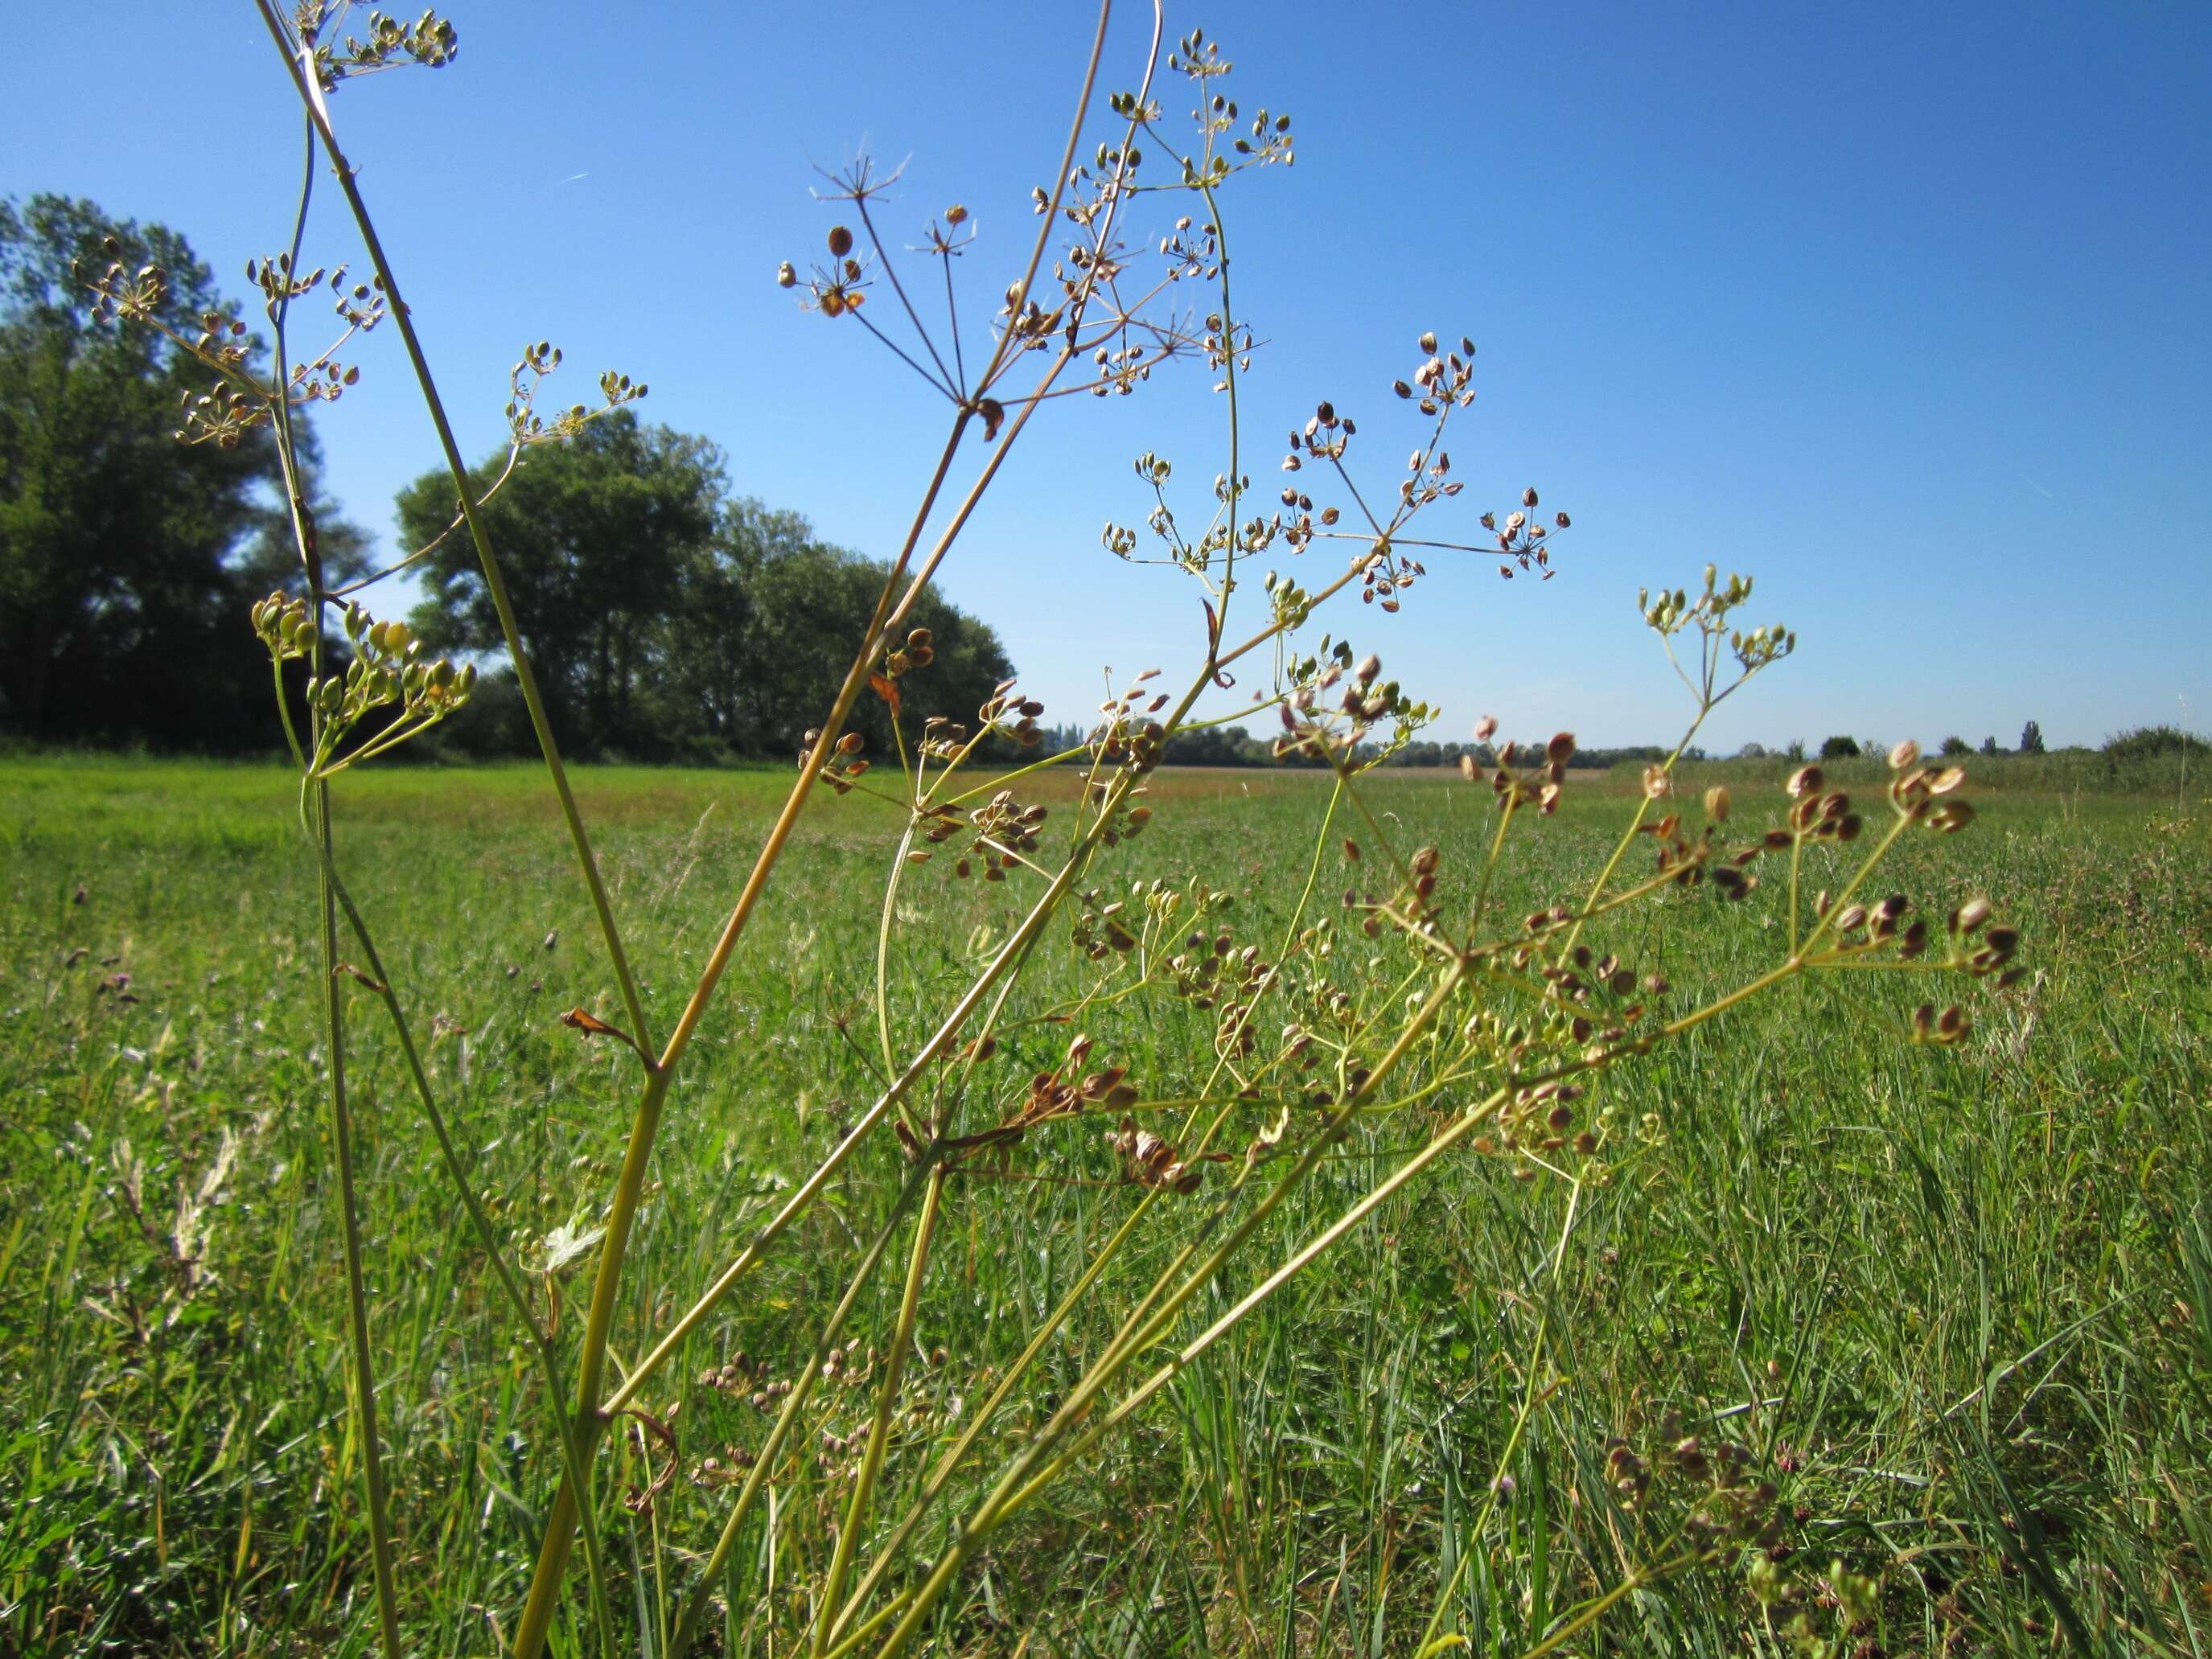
(363, 1353)
(871, 1460)
(513, 455)
(1235, 491)
(364, 1357)
(952, 325)
(884, 947)
(548, 1360)
(950, 381)
(494, 581)
(1102, 1373)
(1490, 864)
(694, 1608)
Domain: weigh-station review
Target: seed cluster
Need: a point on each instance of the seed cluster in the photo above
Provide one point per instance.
(1149, 1161)
(1729, 1509)
(1334, 727)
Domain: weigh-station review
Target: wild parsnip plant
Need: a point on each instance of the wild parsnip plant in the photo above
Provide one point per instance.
(1409, 1021)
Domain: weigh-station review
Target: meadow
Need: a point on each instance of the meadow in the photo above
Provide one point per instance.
(1951, 1300)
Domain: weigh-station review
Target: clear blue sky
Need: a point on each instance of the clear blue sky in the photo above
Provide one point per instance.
(1906, 309)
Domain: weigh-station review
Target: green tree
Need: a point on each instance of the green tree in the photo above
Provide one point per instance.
(127, 558)
(666, 619)
(712, 650)
(596, 536)
(1840, 748)
(2031, 738)
(798, 638)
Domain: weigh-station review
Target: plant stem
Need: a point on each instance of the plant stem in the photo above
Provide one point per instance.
(548, 1361)
(363, 1353)
(1015, 1486)
(871, 1461)
(364, 1359)
(494, 581)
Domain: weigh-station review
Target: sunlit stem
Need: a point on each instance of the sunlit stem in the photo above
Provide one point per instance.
(1086, 1391)
(871, 1460)
(363, 1351)
(487, 1238)
(794, 1403)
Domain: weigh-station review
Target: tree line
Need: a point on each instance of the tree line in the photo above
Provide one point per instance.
(667, 616)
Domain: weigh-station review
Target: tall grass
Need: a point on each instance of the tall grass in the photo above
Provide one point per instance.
(1334, 1460)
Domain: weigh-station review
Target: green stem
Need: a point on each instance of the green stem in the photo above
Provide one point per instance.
(884, 948)
(494, 581)
(871, 1460)
(695, 1609)
(364, 1359)
(541, 1345)
(363, 1353)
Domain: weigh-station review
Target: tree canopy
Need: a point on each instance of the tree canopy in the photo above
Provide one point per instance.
(666, 618)
(127, 559)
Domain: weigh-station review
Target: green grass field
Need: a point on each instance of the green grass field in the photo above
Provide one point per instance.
(1953, 1301)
